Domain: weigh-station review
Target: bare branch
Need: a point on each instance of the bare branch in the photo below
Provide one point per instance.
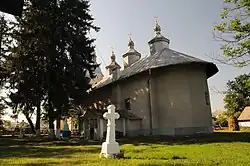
(215, 90)
(233, 61)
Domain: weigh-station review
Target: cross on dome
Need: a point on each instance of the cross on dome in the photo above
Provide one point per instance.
(156, 19)
(131, 44)
(157, 28)
(112, 53)
(130, 34)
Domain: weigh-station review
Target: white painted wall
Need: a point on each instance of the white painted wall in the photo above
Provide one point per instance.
(244, 124)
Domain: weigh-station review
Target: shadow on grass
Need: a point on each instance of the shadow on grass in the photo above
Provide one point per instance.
(221, 137)
(47, 164)
(218, 137)
(158, 158)
(9, 141)
(16, 149)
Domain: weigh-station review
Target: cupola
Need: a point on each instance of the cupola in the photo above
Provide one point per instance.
(131, 56)
(113, 67)
(159, 42)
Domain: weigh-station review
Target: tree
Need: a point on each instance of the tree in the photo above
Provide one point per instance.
(52, 57)
(2, 109)
(3, 39)
(20, 105)
(237, 97)
(234, 33)
(221, 119)
(74, 56)
(7, 125)
(5, 44)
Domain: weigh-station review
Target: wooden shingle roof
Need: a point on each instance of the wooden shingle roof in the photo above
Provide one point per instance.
(166, 57)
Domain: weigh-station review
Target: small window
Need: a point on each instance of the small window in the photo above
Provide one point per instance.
(128, 103)
(207, 98)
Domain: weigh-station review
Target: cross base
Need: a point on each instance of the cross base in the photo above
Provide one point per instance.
(110, 149)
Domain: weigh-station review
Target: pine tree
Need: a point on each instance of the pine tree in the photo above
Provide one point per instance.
(52, 57)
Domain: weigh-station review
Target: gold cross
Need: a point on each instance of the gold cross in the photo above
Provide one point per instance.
(112, 48)
(130, 35)
(156, 19)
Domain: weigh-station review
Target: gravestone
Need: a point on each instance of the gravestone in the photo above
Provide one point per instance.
(110, 148)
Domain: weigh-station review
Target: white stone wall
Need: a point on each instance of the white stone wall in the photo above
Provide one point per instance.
(136, 88)
(179, 101)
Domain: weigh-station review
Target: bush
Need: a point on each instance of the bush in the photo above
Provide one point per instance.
(222, 120)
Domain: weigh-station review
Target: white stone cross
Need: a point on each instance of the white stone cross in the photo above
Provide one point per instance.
(110, 147)
(111, 115)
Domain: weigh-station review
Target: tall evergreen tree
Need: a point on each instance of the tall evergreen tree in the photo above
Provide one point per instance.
(52, 57)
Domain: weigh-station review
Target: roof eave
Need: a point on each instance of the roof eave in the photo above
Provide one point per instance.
(211, 69)
(131, 53)
(156, 39)
(243, 120)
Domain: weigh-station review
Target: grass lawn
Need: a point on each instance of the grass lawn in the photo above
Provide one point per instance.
(216, 149)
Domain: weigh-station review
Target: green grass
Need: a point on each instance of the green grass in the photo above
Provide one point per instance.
(242, 129)
(229, 149)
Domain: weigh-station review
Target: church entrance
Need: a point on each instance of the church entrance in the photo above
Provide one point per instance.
(91, 133)
(92, 129)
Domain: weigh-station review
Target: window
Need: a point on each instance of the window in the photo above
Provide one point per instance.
(207, 98)
(127, 103)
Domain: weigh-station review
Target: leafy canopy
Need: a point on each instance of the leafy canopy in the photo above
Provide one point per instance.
(237, 96)
(234, 32)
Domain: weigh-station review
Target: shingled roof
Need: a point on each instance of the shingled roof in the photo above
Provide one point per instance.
(245, 115)
(166, 57)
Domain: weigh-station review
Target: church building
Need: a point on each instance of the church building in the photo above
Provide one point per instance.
(164, 93)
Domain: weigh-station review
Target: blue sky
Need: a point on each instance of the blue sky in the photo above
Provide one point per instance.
(187, 23)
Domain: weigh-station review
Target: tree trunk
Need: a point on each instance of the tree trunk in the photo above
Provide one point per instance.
(58, 124)
(38, 120)
(58, 127)
(233, 124)
(51, 122)
(30, 123)
(79, 125)
(51, 128)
